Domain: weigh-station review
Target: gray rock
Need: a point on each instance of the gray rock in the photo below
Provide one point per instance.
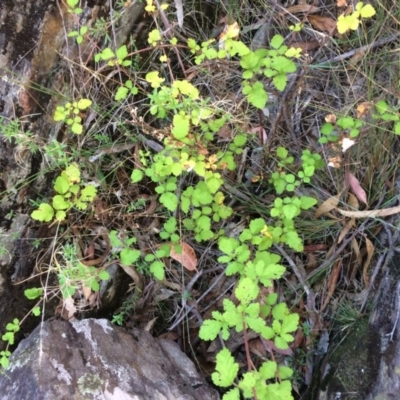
(93, 359)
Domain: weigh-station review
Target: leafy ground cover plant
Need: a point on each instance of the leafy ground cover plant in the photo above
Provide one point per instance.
(70, 193)
(190, 173)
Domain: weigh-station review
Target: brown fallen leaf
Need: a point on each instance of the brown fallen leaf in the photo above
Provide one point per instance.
(356, 187)
(370, 253)
(363, 108)
(187, 258)
(333, 278)
(301, 8)
(346, 229)
(327, 205)
(325, 24)
(306, 46)
(341, 3)
(358, 56)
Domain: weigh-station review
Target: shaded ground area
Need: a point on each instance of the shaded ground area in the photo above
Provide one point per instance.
(326, 115)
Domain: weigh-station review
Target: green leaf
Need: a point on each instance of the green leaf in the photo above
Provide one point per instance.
(157, 269)
(256, 94)
(154, 79)
(104, 275)
(83, 104)
(366, 11)
(307, 202)
(280, 81)
(129, 256)
(228, 245)
(246, 291)
(88, 193)
(170, 201)
(122, 93)
(277, 41)
(290, 211)
(77, 128)
(136, 176)
(233, 394)
(209, 329)
(33, 293)
(59, 203)
(226, 369)
(106, 54)
(36, 311)
(181, 124)
(122, 52)
(61, 185)
(44, 213)
(256, 226)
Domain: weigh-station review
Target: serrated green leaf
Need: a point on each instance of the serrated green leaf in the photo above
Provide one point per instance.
(210, 329)
(169, 200)
(246, 291)
(232, 394)
(33, 293)
(44, 213)
(277, 41)
(121, 94)
(226, 369)
(129, 256)
(157, 269)
(181, 124)
(88, 193)
(256, 226)
(83, 104)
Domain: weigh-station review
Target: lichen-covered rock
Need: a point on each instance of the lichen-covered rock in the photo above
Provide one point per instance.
(93, 359)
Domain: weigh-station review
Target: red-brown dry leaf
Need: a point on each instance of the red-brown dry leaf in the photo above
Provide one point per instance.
(325, 24)
(188, 258)
(315, 247)
(257, 348)
(270, 347)
(302, 8)
(306, 46)
(262, 134)
(370, 252)
(333, 278)
(356, 187)
(341, 3)
(225, 132)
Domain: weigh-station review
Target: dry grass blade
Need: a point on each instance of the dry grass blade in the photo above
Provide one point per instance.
(370, 213)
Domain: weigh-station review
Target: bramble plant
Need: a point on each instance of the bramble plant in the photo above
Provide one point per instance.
(79, 34)
(386, 113)
(70, 194)
(72, 274)
(194, 124)
(69, 113)
(114, 59)
(349, 22)
(72, 4)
